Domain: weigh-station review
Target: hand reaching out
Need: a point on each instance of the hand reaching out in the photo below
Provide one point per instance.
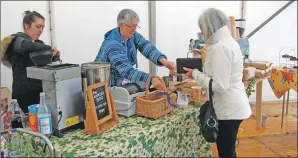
(56, 51)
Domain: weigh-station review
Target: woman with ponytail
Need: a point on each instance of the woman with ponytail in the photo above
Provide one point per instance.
(15, 50)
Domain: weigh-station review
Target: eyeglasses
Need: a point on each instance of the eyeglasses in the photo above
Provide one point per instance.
(132, 27)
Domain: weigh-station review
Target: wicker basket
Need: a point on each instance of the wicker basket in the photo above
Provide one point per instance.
(152, 106)
(195, 94)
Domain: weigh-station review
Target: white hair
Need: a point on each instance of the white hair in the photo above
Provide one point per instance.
(127, 15)
(211, 20)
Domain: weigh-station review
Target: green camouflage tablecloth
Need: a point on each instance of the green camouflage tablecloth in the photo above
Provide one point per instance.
(174, 135)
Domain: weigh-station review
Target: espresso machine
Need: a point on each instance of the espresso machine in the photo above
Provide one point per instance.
(63, 89)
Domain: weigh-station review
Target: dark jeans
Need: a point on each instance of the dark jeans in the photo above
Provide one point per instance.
(228, 130)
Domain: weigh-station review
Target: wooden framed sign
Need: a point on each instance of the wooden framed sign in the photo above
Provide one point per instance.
(100, 113)
(100, 99)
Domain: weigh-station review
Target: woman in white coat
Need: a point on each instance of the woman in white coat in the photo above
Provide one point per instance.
(224, 64)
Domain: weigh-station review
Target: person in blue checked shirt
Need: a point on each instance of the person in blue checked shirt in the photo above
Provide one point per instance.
(120, 46)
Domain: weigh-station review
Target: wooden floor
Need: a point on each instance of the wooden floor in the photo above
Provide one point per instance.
(271, 141)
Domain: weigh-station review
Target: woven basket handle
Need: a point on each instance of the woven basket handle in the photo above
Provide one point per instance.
(148, 82)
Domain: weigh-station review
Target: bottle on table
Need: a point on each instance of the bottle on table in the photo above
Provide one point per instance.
(44, 116)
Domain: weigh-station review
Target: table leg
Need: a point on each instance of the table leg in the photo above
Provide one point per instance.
(259, 105)
(283, 109)
(288, 97)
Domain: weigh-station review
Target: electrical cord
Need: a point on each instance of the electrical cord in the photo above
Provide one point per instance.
(60, 113)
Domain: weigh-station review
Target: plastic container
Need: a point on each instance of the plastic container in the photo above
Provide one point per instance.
(182, 99)
(264, 119)
(33, 121)
(25, 120)
(18, 153)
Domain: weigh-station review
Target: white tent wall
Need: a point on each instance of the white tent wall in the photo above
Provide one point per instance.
(79, 28)
(177, 23)
(11, 22)
(266, 44)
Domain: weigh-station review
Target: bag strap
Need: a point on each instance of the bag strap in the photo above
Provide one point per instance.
(210, 94)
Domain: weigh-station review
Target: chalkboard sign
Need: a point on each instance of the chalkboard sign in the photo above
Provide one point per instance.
(100, 102)
(99, 99)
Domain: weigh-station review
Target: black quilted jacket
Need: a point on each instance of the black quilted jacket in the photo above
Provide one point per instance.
(18, 56)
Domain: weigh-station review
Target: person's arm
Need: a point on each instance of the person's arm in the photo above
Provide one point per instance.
(221, 60)
(119, 60)
(23, 46)
(149, 50)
